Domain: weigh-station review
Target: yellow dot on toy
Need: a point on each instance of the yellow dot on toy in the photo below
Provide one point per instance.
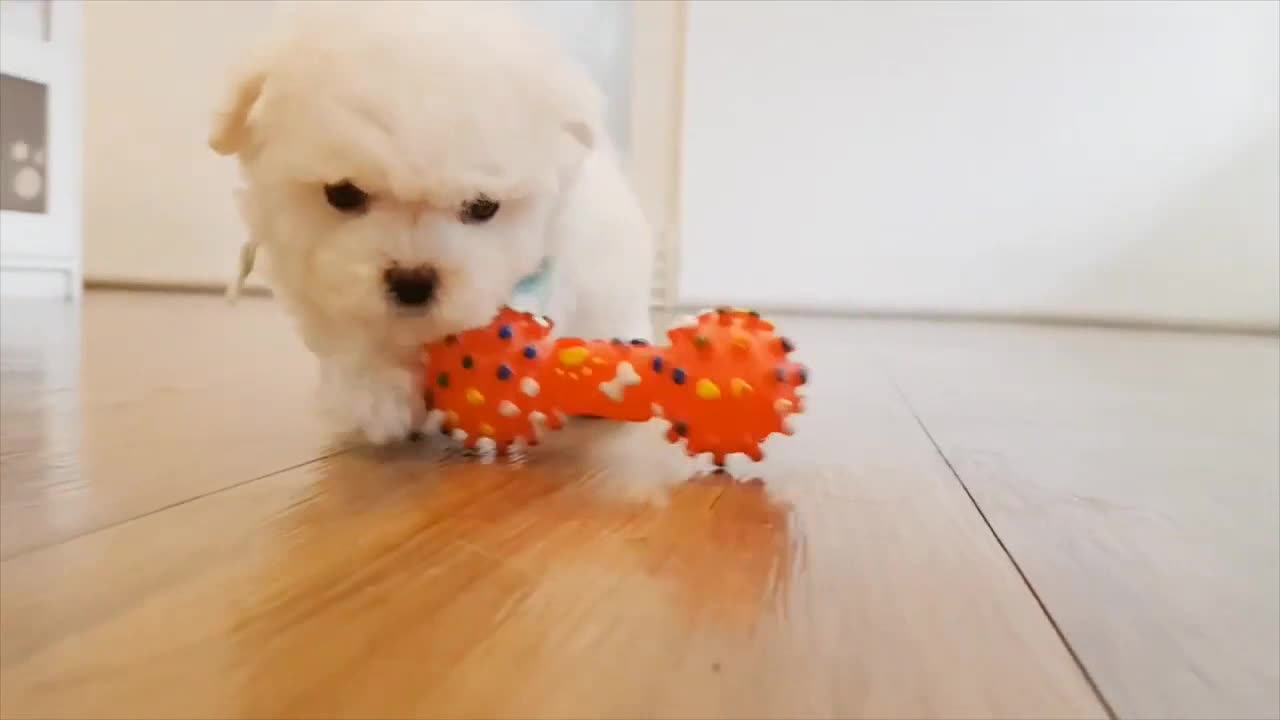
(707, 390)
(573, 357)
(486, 429)
(739, 387)
(474, 396)
(741, 342)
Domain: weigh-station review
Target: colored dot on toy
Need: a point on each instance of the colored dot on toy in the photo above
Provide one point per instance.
(529, 386)
(530, 352)
(677, 376)
(679, 428)
(586, 371)
(741, 342)
(701, 341)
(615, 341)
(506, 408)
(467, 362)
(485, 429)
(474, 396)
(442, 380)
(639, 342)
(707, 390)
(783, 406)
(786, 345)
(802, 375)
(573, 357)
(450, 339)
(504, 332)
(739, 387)
(504, 372)
(779, 374)
(657, 363)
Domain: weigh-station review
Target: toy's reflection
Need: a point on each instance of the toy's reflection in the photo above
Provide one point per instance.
(575, 543)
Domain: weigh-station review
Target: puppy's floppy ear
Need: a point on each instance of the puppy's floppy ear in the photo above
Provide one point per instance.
(231, 122)
(582, 105)
(582, 131)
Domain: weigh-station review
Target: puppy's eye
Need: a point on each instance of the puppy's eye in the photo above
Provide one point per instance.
(479, 210)
(346, 197)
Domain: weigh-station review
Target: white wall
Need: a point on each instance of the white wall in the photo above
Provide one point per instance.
(1115, 159)
(158, 202)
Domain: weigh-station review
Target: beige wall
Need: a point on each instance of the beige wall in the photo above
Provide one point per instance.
(158, 202)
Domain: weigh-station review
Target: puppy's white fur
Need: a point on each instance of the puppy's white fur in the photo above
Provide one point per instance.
(426, 105)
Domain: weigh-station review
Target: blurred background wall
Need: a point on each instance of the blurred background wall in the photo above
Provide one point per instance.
(158, 204)
(1087, 159)
(1112, 160)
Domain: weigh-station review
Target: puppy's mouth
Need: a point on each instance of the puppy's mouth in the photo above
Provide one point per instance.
(411, 290)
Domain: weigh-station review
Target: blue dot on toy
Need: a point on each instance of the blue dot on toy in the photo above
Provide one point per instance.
(677, 376)
(504, 332)
(504, 372)
(530, 352)
(657, 363)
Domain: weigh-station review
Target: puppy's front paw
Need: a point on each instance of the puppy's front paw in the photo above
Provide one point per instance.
(384, 416)
(384, 406)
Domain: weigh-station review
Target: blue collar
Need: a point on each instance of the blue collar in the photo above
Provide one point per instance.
(532, 290)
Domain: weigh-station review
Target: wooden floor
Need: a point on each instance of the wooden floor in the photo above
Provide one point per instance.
(972, 521)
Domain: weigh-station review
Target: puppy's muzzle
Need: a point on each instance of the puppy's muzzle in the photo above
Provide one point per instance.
(413, 287)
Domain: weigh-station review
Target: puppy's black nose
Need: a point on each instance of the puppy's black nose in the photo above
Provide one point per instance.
(411, 287)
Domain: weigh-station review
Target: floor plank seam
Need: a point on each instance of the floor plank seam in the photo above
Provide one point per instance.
(1026, 581)
(170, 506)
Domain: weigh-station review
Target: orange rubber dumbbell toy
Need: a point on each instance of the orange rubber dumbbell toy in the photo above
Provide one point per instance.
(724, 383)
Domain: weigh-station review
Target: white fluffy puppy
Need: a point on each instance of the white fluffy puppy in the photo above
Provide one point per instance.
(406, 165)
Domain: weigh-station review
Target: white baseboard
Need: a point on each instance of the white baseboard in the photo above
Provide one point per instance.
(36, 283)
